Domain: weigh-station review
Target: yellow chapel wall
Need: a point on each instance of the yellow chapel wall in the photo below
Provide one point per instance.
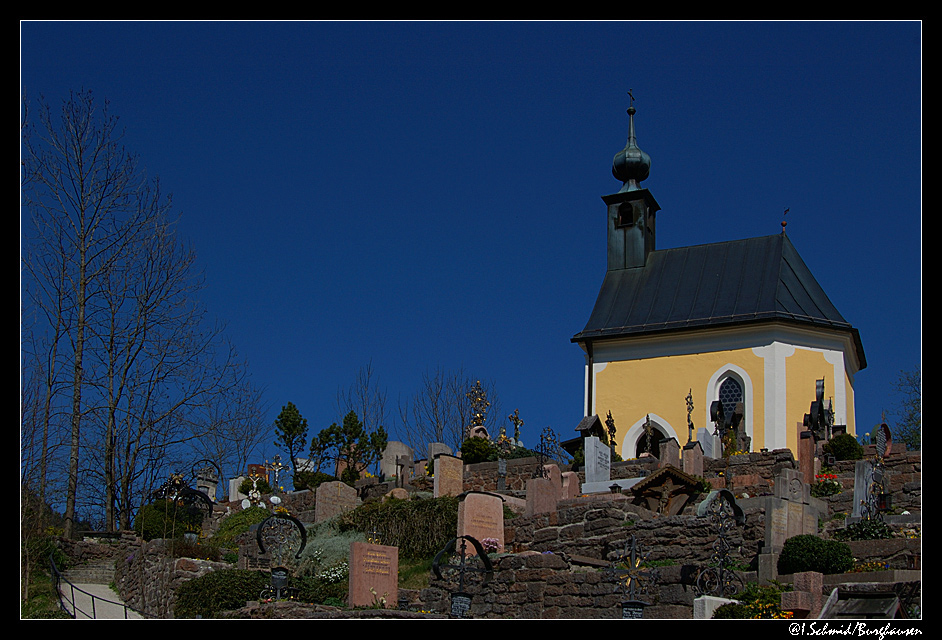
(632, 389)
(803, 369)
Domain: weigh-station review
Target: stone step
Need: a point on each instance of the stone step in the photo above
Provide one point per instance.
(90, 574)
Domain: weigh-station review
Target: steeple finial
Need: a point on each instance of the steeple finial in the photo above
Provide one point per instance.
(631, 165)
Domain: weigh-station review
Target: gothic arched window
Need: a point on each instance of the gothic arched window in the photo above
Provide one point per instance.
(730, 393)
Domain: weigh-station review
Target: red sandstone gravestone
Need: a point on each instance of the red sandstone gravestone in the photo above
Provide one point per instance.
(481, 516)
(374, 575)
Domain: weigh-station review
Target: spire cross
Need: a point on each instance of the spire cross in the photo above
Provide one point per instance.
(631, 98)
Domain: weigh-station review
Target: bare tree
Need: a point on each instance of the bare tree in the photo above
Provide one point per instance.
(81, 190)
(111, 291)
(441, 410)
(234, 428)
(365, 398)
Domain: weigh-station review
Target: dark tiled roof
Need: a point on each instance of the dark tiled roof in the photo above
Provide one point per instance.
(726, 283)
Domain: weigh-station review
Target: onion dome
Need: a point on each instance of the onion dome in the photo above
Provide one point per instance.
(631, 165)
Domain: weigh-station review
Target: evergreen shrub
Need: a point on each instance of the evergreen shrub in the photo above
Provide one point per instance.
(166, 519)
(419, 527)
(236, 524)
(311, 479)
(844, 447)
(865, 529)
(219, 591)
(755, 601)
(474, 450)
(261, 484)
(807, 552)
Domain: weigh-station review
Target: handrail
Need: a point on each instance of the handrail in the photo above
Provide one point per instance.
(58, 578)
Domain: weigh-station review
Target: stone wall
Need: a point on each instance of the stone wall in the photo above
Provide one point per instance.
(483, 476)
(598, 528)
(147, 577)
(552, 585)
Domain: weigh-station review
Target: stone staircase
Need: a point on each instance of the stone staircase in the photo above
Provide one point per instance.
(100, 572)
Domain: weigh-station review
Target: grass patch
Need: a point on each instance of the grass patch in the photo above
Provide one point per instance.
(414, 574)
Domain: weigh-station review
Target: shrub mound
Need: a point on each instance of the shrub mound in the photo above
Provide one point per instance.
(807, 552)
(844, 447)
(166, 519)
(419, 527)
(238, 523)
(219, 591)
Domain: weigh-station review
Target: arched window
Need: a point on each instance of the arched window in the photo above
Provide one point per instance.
(730, 384)
(730, 394)
(638, 439)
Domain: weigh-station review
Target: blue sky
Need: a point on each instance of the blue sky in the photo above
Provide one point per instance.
(428, 194)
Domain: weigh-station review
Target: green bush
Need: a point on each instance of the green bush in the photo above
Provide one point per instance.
(311, 479)
(167, 519)
(865, 529)
(219, 591)
(476, 449)
(349, 476)
(807, 552)
(844, 447)
(755, 601)
(419, 527)
(316, 590)
(261, 484)
(236, 524)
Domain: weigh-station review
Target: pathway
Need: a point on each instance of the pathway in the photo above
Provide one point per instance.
(105, 604)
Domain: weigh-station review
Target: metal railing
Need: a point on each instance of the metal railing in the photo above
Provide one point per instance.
(69, 599)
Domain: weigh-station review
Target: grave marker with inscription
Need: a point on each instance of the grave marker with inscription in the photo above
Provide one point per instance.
(598, 468)
(374, 575)
(448, 476)
(481, 516)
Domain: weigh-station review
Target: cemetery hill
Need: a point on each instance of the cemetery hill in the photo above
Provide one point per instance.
(719, 471)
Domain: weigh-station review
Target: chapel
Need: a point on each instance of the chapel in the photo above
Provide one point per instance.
(673, 331)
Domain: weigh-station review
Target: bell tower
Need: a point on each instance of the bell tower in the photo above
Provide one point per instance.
(631, 211)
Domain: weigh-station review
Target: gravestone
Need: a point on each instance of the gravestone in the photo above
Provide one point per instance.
(805, 600)
(544, 491)
(598, 468)
(570, 488)
(692, 459)
(709, 443)
(389, 464)
(863, 470)
(405, 468)
(501, 474)
(790, 510)
(669, 454)
(448, 476)
(435, 448)
(704, 606)
(374, 575)
(806, 451)
(234, 484)
(332, 499)
(481, 516)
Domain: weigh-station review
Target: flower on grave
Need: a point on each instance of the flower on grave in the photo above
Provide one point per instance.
(491, 544)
